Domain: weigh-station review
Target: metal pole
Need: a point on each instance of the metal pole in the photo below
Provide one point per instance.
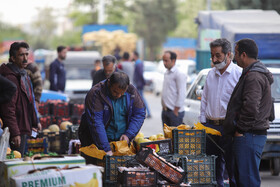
(208, 4)
(101, 12)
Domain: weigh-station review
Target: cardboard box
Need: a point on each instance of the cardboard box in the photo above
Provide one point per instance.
(18, 167)
(82, 176)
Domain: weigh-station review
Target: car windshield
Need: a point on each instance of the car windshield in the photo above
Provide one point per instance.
(275, 87)
(73, 73)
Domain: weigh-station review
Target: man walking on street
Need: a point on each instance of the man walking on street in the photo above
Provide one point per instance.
(173, 92)
(139, 81)
(217, 90)
(248, 113)
(57, 71)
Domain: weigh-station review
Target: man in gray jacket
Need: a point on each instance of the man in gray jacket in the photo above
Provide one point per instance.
(248, 112)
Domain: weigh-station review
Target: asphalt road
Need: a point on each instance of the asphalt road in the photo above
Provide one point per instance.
(153, 126)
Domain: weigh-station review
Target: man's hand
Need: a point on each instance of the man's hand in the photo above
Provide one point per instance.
(237, 134)
(176, 111)
(16, 140)
(110, 153)
(124, 137)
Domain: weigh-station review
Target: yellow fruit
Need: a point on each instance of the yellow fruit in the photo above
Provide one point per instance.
(145, 140)
(140, 134)
(139, 140)
(46, 131)
(160, 136)
(17, 154)
(54, 128)
(64, 124)
(153, 138)
(8, 151)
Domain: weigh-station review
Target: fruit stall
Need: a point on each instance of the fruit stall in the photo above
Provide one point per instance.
(55, 158)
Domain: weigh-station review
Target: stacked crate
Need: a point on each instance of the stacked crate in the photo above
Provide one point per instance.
(55, 112)
(190, 148)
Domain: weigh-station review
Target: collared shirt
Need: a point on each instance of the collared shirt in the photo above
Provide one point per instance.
(217, 92)
(174, 89)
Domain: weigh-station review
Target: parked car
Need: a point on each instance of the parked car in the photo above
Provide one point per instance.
(187, 66)
(272, 147)
(150, 72)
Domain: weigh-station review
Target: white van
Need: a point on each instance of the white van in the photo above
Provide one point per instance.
(78, 66)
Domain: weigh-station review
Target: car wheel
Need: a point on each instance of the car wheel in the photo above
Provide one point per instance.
(274, 166)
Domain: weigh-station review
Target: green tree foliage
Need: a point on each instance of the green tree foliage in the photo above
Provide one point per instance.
(9, 32)
(188, 11)
(254, 4)
(69, 38)
(119, 12)
(153, 22)
(43, 28)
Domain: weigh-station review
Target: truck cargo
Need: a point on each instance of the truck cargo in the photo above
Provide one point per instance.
(259, 25)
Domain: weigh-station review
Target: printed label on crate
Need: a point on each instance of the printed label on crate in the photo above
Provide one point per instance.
(84, 176)
(20, 167)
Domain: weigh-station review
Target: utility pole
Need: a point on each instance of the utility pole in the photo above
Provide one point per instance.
(101, 12)
(208, 5)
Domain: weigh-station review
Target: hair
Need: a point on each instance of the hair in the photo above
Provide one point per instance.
(173, 56)
(126, 56)
(15, 47)
(119, 78)
(221, 42)
(108, 59)
(60, 48)
(97, 61)
(248, 46)
(136, 53)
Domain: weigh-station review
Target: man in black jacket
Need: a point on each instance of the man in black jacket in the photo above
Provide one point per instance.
(109, 67)
(248, 111)
(57, 71)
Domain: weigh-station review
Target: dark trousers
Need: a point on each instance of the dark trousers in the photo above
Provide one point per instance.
(170, 119)
(224, 160)
(21, 149)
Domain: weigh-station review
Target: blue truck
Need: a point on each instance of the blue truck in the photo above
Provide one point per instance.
(264, 28)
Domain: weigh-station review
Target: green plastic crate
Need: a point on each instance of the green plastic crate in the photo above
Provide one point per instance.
(200, 169)
(111, 164)
(189, 142)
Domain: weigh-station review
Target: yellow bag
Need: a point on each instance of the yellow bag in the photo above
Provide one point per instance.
(119, 148)
(168, 130)
(93, 151)
(208, 130)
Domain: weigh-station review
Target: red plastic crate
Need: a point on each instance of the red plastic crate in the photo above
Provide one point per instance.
(77, 109)
(169, 172)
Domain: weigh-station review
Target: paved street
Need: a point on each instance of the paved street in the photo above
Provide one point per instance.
(153, 126)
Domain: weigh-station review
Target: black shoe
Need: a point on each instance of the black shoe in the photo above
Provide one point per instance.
(149, 116)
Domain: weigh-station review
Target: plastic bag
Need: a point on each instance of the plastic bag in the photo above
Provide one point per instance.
(208, 130)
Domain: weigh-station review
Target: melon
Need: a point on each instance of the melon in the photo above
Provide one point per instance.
(54, 128)
(64, 124)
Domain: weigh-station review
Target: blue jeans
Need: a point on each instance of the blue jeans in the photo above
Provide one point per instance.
(247, 151)
(224, 161)
(145, 102)
(170, 119)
